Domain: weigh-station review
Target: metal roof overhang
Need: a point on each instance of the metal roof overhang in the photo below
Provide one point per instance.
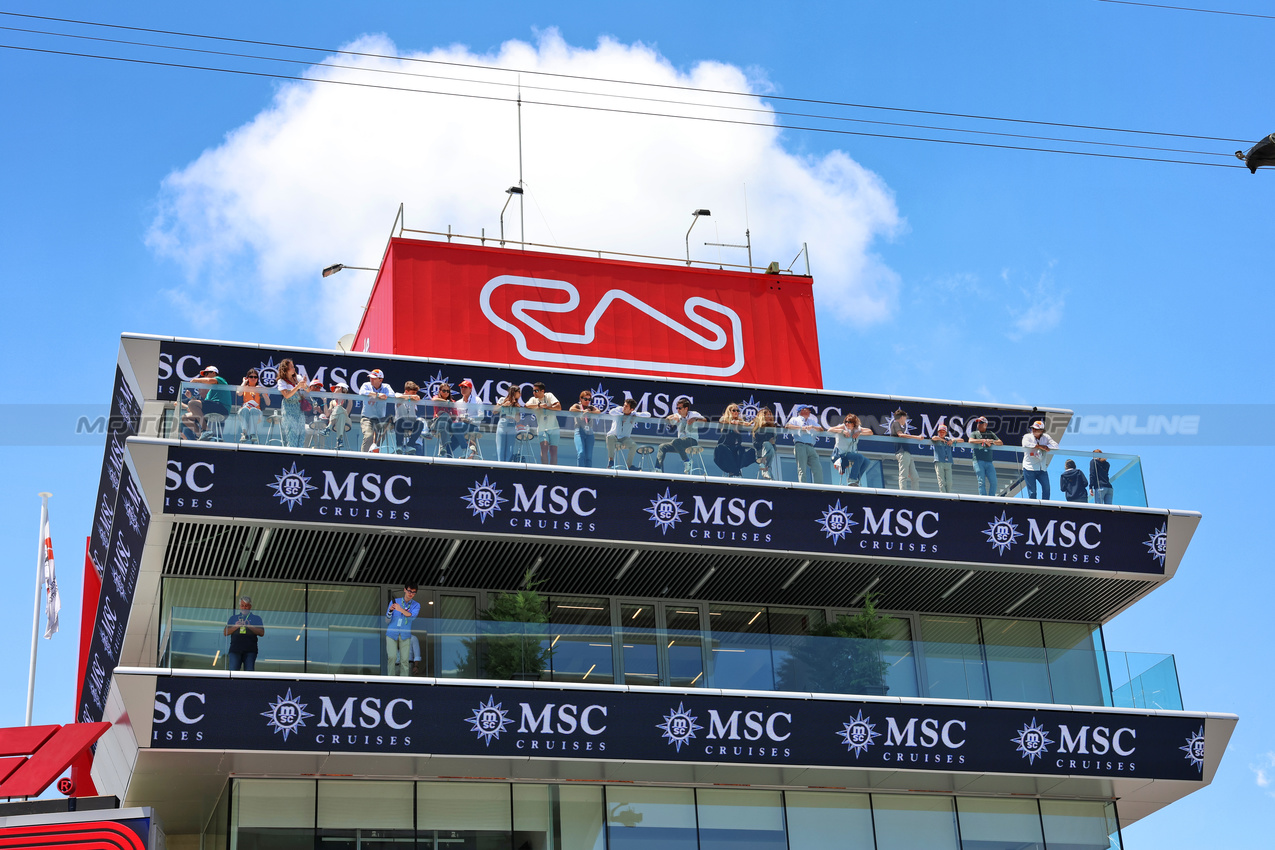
(184, 785)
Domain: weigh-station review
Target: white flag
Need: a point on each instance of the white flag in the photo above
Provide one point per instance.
(53, 599)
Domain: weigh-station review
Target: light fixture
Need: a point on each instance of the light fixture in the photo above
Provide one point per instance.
(1261, 154)
(336, 267)
(511, 191)
(703, 581)
(1028, 595)
(696, 214)
(801, 569)
(959, 582)
(866, 591)
(624, 569)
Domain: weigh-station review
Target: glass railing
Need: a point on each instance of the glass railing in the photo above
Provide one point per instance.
(339, 421)
(294, 642)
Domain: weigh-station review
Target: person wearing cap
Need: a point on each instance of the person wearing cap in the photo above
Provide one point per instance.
(214, 401)
(984, 470)
(469, 412)
(1100, 479)
(243, 629)
(1073, 483)
(376, 416)
(688, 424)
(805, 423)
(943, 457)
(292, 387)
(316, 425)
(1038, 445)
(908, 479)
(544, 403)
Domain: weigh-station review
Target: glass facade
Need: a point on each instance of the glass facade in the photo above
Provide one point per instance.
(336, 814)
(338, 629)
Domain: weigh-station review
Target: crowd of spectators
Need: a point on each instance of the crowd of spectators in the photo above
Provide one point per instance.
(311, 415)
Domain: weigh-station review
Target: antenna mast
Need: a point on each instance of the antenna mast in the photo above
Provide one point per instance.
(522, 212)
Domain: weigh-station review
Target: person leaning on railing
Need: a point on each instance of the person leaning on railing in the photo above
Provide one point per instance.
(730, 455)
(845, 452)
(583, 428)
(1036, 460)
(688, 423)
(984, 470)
(469, 412)
(544, 403)
(765, 430)
(943, 458)
(407, 422)
(908, 478)
(376, 417)
(338, 414)
(1100, 479)
(508, 414)
(805, 423)
(444, 414)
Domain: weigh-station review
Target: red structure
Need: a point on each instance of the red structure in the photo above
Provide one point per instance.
(495, 305)
(51, 749)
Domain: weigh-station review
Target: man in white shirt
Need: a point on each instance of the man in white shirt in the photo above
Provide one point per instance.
(376, 417)
(620, 435)
(687, 435)
(544, 403)
(805, 423)
(469, 412)
(1038, 445)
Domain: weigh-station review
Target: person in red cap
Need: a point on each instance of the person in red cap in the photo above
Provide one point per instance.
(1038, 445)
(469, 412)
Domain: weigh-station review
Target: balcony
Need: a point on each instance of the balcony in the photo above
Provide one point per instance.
(334, 422)
(298, 641)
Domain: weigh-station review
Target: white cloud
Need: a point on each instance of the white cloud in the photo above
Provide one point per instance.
(317, 177)
(1038, 307)
(1263, 772)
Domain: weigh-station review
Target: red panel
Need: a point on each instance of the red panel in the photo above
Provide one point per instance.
(52, 754)
(492, 305)
(81, 768)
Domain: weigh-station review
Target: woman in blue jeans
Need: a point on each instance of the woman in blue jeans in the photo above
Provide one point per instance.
(510, 412)
(584, 428)
(845, 455)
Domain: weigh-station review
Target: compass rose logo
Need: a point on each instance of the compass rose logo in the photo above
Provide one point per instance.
(836, 522)
(268, 373)
(489, 720)
(1002, 533)
(679, 726)
(601, 398)
(666, 510)
(484, 499)
(292, 487)
(1194, 749)
(437, 381)
(749, 409)
(858, 734)
(1033, 741)
(287, 714)
(1158, 543)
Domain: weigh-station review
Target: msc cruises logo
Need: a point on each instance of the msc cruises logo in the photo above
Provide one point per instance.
(268, 373)
(435, 382)
(679, 726)
(602, 398)
(287, 714)
(489, 720)
(749, 409)
(1002, 533)
(484, 499)
(836, 522)
(858, 734)
(1033, 741)
(292, 486)
(1194, 749)
(666, 510)
(1158, 543)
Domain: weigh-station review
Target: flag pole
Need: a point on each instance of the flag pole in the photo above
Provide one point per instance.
(39, 593)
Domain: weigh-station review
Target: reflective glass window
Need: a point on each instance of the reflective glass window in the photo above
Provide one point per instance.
(1016, 665)
(281, 606)
(650, 818)
(1079, 825)
(472, 815)
(452, 637)
(365, 815)
(999, 824)
(580, 639)
(897, 653)
(1074, 663)
(638, 644)
(193, 622)
(823, 820)
(739, 648)
(273, 813)
(914, 822)
(953, 664)
(555, 817)
(740, 820)
(684, 646)
(345, 630)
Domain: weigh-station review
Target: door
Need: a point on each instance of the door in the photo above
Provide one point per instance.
(661, 643)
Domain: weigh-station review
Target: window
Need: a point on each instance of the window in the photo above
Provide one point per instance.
(739, 648)
(651, 819)
(468, 814)
(999, 824)
(953, 658)
(273, 813)
(580, 639)
(345, 630)
(192, 622)
(364, 815)
(820, 820)
(740, 820)
(1074, 663)
(554, 817)
(281, 607)
(1080, 825)
(914, 822)
(1016, 663)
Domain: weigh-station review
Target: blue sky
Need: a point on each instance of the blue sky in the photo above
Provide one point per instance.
(957, 272)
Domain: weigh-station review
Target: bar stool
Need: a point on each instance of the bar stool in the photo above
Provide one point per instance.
(646, 458)
(523, 438)
(695, 454)
(274, 429)
(214, 422)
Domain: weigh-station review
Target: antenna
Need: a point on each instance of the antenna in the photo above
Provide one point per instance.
(522, 212)
(748, 236)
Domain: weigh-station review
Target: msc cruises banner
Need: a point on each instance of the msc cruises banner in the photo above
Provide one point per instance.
(181, 361)
(308, 716)
(126, 411)
(358, 490)
(119, 580)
